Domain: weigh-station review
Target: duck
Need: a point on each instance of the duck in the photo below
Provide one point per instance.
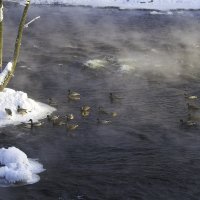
(114, 97)
(21, 111)
(192, 107)
(69, 117)
(36, 123)
(27, 125)
(58, 122)
(8, 111)
(52, 117)
(52, 103)
(103, 121)
(85, 113)
(74, 96)
(188, 123)
(193, 118)
(73, 93)
(71, 127)
(32, 124)
(102, 111)
(85, 108)
(114, 114)
(193, 97)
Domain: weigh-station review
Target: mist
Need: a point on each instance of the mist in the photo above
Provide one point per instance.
(135, 49)
(150, 59)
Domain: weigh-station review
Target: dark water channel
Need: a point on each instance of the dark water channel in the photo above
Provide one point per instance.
(144, 154)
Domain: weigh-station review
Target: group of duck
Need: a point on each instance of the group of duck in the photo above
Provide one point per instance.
(67, 120)
(85, 111)
(192, 117)
(20, 111)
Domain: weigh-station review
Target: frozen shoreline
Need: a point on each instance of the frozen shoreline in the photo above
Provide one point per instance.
(123, 4)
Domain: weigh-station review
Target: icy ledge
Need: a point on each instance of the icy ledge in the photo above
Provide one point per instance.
(11, 99)
(17, 168)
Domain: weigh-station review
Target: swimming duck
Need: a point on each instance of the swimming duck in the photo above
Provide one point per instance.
(32, 124)
(193, 118)
(71, 127)
(52, 117)
(27, 125)
(188, 123)
(192, 107)
(36, 123)
(52, 103)
(114, 114)
(114, 97)
(21, 111)
(102, 111)
(58, 122)
(73, 94)
(73, 98)
(8, 111)
(85, 113)
(190, 97)
(103, 121)
(69, 117)
(85, 108)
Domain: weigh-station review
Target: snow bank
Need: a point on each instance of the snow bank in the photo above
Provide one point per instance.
(17, 168)
(11, 99)
(126, 4)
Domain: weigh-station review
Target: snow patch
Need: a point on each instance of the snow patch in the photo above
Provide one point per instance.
(18, 168)
(11, 99)
(5, 72)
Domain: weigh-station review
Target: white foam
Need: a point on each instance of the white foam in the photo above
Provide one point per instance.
(18, 168)
(124, 4)
(11, 99)
(96, 63)
(161, 13)
(127, 68)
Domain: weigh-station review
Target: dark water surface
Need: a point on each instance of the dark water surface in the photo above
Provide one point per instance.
(144, 154)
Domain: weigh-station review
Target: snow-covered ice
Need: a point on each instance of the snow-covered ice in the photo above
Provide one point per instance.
(18, 168)
(11, 99)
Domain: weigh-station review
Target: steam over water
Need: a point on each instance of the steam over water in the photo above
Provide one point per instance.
(150, 60)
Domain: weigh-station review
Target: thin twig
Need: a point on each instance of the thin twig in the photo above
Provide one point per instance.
(27, 24)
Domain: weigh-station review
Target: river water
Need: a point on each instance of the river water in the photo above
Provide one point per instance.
(150, 60)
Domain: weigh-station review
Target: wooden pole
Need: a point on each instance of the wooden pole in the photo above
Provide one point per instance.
(17, 46)
(1, 33)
